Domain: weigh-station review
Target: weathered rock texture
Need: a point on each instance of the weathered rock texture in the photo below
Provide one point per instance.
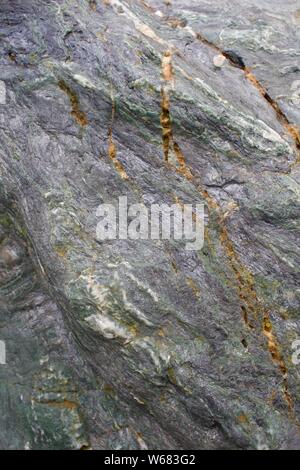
(142, 344)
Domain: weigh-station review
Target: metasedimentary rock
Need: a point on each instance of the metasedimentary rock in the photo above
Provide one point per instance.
(135, 344)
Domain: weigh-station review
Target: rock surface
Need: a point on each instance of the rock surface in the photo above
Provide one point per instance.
(142, 344)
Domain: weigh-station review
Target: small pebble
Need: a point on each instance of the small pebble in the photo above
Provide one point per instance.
(219, 60)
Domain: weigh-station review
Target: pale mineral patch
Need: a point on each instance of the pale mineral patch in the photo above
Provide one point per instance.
(2, 92)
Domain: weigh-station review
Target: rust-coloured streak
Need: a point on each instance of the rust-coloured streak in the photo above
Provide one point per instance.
(165, 121)
(64, 404)
(291, 129)
(112, 148)
(76, 112)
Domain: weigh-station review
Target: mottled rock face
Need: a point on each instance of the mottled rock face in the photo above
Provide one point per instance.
(135, 344)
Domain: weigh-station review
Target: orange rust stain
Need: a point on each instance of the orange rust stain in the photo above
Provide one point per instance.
(112, 148)
(165, 121)
(165, 117)
(203, 39)
(112, 153)
(161, 332)
(193, 286)
(147, 6)
(277, 357)
(252, 78)
(290, 128)
(183, 168)
(93, 5)
(64, 404)
(243, 419)
(175, 22)
(211, 203)
(76, 112)
(272, 343)
(245, 281)
(250, 304)
(294, 132)
(167, 69)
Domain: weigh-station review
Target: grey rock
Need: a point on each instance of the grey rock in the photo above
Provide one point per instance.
(128, 344)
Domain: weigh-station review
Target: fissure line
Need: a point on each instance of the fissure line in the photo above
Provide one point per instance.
(112, 148)
(251, 307)
(236, 61)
